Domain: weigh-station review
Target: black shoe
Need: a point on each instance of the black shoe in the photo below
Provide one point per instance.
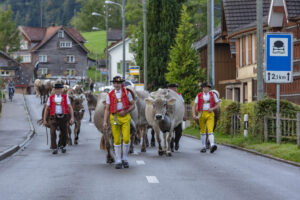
(125, 164)
(213, 148)
(176, 147)
(63, 150)
(55, 151)
(203, 150)
(118, 166)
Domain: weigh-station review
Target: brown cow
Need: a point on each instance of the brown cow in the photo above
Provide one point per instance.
(91, 102)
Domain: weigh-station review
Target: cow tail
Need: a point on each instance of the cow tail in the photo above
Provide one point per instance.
(102, 143)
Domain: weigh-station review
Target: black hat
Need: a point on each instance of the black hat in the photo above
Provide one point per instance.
(117, 79)
(58, 85)
(205, 84)
(172, 85)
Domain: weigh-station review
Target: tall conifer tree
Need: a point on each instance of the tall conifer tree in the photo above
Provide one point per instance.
(183, 65)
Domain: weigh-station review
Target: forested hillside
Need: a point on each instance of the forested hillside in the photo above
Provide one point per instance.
(42, 12)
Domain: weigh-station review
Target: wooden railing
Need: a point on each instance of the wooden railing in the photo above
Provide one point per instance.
(289, 127)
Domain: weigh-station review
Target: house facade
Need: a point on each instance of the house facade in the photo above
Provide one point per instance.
(283, 16)
(56, 51)
(116, 58)
(8, 66)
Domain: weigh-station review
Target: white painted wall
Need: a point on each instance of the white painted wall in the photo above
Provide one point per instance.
(116, 56)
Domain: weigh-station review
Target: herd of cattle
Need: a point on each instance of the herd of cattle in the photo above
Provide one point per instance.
(161, 110)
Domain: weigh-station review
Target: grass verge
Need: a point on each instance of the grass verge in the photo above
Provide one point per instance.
(287, 151)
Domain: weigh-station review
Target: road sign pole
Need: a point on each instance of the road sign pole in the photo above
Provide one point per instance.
(278, 131)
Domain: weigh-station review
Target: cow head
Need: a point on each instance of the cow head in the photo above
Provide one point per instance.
(77, 102)
(160, 106)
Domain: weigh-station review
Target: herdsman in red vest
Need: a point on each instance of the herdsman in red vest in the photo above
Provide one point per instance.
(205, 104)
(119, 103)
(178, 129)
(60, 111)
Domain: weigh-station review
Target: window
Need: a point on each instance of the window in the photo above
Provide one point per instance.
(43, 71)
(65, 44)
(246, 49)
(26, 58)
(61, 34)
(71, 72)
(42, 58)
(4, 73)
(120, 67)
(24, 45)
(241, 52)
(253, 49)
(70, 59)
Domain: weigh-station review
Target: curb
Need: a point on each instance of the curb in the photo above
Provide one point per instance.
(9, 152)
(253, 152)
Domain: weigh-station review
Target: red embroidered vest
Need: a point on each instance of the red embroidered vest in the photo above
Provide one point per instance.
(114, 101)
(201, 101)
(64, 104)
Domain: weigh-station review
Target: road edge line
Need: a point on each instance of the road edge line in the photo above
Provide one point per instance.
(252, 151)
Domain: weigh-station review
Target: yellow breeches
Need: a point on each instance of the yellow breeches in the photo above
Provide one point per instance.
(206, 120)
(123, 125)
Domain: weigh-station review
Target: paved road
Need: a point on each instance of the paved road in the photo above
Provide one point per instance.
(82, 173)
(14, 125)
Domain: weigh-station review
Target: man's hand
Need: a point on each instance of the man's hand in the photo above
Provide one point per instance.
(184, 118)
(45, 122)
(105, 125)
(122, 113)
(71, 120)
(195, 118)
(210, 110)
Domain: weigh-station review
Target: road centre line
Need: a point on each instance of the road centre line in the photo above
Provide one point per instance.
(152, 179)
(140, 162)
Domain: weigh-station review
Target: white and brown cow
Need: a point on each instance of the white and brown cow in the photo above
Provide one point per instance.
(164, 111)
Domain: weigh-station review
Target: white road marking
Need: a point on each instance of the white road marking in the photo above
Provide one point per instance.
(152, 179)
(140, 162)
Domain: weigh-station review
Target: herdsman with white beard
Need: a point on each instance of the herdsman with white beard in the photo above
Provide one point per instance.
(119, 104)
(205, 104)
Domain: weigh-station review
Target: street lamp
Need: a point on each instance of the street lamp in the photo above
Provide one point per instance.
(123, 31)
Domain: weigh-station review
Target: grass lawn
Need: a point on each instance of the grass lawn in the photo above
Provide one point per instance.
(91, 74)
(96, 42)
(287, 151)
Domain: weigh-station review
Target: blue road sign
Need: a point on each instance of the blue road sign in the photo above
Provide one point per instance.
(279, 58)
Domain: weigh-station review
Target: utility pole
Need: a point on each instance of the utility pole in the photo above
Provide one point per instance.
(259, 52)
(123, 36)
(210, 43)
(107, 60)
(96, 66)
(41, 7)
(145, 44)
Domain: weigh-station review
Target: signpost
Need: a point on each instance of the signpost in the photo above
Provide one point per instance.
(279, 66)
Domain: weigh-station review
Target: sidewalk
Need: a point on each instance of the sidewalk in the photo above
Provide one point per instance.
(14, 124)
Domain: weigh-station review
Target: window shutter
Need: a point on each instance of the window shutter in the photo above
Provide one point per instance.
(76, 59)
(249, 49)
(65, 59)
(48, 59)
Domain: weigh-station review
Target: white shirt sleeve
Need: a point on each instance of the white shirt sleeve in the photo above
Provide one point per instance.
(196, 99)
(68, 101)
(216, 98)
(48, 101)
(107, 100)
(130, 97)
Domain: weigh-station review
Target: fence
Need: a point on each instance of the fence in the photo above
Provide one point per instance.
(289, 128)
(235, 123)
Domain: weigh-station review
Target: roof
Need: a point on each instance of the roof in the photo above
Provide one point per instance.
(240, 13)
(293, 8)
(43, 35)
(8, 57)
(203, 42)
(118, 43)
(114, 35)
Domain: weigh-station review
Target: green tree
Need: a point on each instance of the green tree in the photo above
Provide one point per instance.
(9, 35)
(162, 21)
(183, 65)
